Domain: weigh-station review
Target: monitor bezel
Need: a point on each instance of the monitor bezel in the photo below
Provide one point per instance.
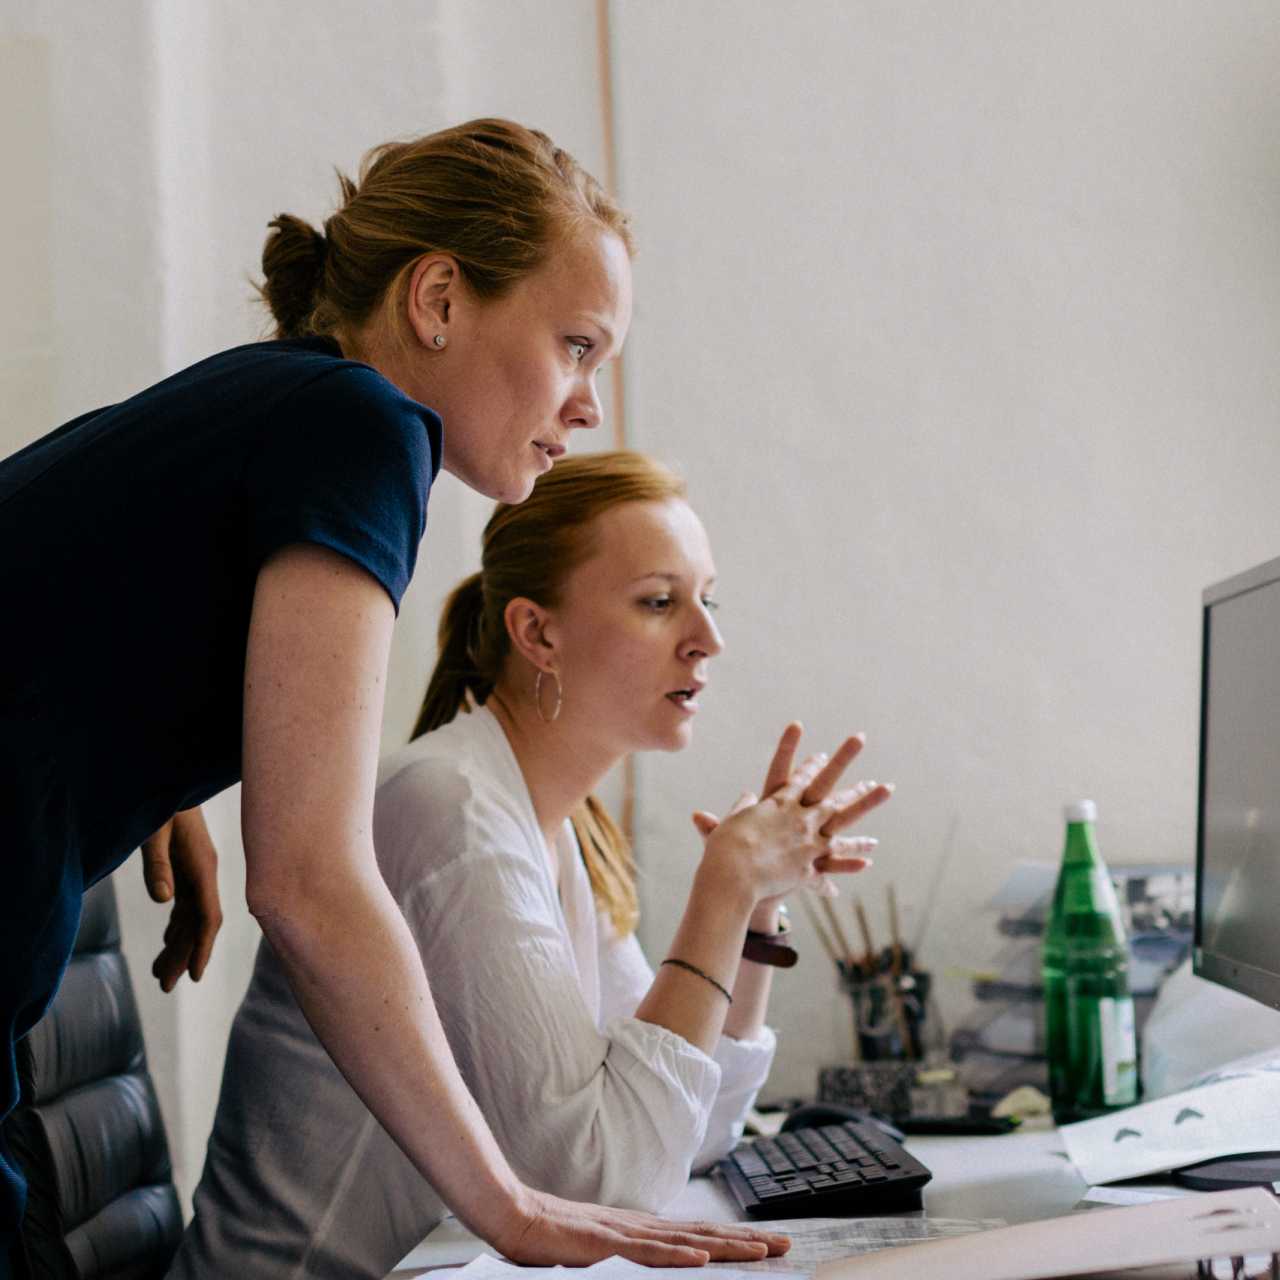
(1259, 984)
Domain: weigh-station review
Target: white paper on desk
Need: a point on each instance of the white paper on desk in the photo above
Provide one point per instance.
(1237, 1112)
(818, 1240)
(1218, 1224)
(487, 1267)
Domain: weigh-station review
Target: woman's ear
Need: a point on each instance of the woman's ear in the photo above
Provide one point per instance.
(435, 282)
(531, 632)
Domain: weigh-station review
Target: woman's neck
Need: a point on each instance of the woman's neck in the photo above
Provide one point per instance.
(560, 767)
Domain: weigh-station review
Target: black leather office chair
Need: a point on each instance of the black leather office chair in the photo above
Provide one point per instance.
(88, 1132)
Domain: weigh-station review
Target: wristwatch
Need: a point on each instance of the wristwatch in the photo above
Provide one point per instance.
(772, 948)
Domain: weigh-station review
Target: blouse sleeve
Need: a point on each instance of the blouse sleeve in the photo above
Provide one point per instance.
(612, 1116)
(625, 978)
(346, 462)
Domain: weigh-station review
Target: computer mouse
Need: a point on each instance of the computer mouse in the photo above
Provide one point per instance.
(813, 1114)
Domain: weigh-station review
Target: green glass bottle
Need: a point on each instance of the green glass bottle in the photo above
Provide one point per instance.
(1089, 1029)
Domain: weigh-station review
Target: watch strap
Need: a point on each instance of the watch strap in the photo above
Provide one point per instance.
(770, 948)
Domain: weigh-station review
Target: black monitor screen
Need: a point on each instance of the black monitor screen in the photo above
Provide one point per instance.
(1238, 848)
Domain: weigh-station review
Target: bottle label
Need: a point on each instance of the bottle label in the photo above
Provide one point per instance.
(1119, 1051)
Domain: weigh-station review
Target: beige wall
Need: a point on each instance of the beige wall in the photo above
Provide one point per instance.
(961, 320)
(964, 320)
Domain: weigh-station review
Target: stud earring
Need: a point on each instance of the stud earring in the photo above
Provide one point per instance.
(439, 340)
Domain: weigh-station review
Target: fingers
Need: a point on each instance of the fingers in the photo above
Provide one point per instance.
(845, 846)
(839, 864)
(171, 963)
(821, 886)
(704, 823)
(203, 948)
(653, 1253)
(783, 758)
(774, 1241)
(207, 910)
(861, 800)
(801, 778)
(827, 778)
(724, 1242)
(714, 1248)
(157, 871)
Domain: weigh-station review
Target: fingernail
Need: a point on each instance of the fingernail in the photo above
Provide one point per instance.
(164, 891)
(890, 787)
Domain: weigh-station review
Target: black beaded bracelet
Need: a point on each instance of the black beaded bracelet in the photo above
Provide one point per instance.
(693, 968)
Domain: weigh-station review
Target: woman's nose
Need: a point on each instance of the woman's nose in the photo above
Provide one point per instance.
(582, 409)
(708, 641)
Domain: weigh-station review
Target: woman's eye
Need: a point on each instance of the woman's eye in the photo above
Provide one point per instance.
(710, 605)
(578, 348)
(659, 604)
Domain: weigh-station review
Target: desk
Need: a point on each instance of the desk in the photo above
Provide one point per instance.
(1021, 1177)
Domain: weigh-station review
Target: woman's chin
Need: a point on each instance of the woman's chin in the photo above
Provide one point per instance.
(678, 738)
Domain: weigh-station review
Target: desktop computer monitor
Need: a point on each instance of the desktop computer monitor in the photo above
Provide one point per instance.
(1237, 922)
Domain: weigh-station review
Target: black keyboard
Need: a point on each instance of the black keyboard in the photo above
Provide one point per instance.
(835, 1170)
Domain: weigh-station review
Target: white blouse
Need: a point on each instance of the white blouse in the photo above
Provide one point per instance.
(537, 995)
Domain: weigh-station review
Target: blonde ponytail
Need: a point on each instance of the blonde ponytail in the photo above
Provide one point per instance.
(457, 672)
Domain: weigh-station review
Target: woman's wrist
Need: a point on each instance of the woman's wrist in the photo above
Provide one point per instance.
(766, 917)
(718, 883)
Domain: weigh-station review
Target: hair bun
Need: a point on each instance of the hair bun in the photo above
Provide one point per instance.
(293, 261)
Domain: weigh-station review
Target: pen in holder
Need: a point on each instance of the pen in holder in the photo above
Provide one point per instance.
(888, 1011)
(888, 999)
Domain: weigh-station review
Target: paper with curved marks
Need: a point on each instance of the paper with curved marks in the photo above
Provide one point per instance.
(1234, 1112)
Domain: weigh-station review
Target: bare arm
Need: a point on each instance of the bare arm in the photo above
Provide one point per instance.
(314, 678)
(762, 850)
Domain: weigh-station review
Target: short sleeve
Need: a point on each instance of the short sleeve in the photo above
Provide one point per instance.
(345, 461)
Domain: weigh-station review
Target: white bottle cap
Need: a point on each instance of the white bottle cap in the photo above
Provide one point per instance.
(1081, 811)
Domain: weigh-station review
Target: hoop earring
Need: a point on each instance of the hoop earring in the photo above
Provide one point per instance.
(537, 697)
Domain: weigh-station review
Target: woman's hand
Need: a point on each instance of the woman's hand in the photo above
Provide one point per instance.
(551, 1230)
(789, 837)
(180, 863)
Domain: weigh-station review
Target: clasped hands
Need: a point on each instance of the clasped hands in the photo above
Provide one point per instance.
(789, 834)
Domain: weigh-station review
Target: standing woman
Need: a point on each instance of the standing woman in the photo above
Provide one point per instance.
(200, 585)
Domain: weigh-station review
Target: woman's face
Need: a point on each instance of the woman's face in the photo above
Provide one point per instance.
(519, 373)
(634, 630)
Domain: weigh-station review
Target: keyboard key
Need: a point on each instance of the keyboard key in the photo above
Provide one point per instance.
(818, 1183)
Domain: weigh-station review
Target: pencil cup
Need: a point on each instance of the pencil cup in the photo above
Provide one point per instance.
(888, 1013)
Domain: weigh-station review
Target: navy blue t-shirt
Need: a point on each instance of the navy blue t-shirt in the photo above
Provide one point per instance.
(130, 540)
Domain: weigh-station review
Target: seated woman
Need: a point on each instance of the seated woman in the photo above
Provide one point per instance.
(587, 635)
